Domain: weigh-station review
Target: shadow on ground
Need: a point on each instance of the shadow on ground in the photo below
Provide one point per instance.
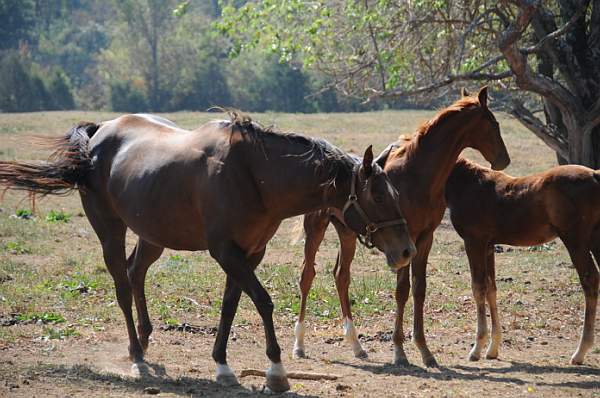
(81, 375)
(490, 374)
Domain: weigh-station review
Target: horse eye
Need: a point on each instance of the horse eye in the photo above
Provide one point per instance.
(378, 199)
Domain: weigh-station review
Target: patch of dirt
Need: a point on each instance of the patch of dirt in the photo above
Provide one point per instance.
(180, 364)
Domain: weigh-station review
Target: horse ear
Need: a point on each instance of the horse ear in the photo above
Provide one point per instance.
(383, 156)
(464, 92)
(368, 162)
(483, 96)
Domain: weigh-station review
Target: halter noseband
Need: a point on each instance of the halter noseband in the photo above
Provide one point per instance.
(370, 227)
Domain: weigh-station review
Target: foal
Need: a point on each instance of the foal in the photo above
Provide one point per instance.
(489, 207)
(419, 169)
(224, 188)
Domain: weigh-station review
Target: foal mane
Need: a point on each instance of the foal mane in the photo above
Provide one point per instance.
(329, 160)
(409, 143)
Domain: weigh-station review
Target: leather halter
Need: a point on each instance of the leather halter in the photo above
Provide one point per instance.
(370, 227)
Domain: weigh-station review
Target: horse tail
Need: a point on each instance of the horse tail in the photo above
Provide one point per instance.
(64, 171)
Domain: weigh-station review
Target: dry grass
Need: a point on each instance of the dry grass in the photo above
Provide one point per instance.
(55, 268)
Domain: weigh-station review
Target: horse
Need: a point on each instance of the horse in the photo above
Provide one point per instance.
(224, 188)
(418, 168)
(489, 207)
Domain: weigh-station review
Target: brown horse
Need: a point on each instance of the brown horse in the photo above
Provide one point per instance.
(225, 188)
(419, 169)
(489, 207)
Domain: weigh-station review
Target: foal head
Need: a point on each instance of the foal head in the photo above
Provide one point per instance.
(376, 216)
(484, 135)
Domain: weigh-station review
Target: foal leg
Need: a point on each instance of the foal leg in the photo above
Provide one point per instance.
(492, 351)
(589, 278)
(419, 268)
(144, 254)
(402, 290)
(477, 253)
(235, 264)
(341, 273)
(231, 298)
(315, 225)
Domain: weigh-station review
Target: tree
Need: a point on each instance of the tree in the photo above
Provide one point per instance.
(16, 22)
(536, 54)
(146, 22)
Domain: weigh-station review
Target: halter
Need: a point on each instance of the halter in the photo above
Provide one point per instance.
(370, 227)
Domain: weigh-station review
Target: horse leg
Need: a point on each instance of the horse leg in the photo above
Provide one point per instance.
(231, 299)
(235, 264)
(419, 268)
(144, 254)
(589, 278)
(341, 273)
(492, 350)
(477, 253)
(111, 232)
(402, 290)
(315, 225)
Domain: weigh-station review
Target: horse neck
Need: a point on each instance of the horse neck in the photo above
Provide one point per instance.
(435, 152)
(306, 185)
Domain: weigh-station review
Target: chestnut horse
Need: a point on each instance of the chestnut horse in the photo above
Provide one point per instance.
(489, 207)
(224, 188)
(419, 169)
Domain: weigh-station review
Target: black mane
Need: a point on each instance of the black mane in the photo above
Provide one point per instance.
(331, 160)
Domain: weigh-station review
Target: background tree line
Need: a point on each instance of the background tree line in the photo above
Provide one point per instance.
(145, 55)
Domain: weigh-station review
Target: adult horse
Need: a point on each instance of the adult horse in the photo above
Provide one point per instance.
(489, 207)
(420, 169)
(224, 188)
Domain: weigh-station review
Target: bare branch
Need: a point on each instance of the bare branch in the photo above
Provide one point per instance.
(546, 133)
(558, 32)
(439, 84)
(526, 78)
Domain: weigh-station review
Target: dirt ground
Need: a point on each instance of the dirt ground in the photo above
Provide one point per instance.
(61, 333)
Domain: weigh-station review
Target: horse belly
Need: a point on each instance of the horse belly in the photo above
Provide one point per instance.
(525, 234)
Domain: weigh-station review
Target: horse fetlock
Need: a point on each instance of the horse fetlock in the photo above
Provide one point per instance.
(225, 376)
(400, 357)
(351, 337)
(277, 381)
(140, 369)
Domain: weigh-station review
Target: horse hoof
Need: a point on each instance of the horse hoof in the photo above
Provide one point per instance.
(431, 362)
(277, 384)
(491, 355)
(473, 357)
(576, 361)
(139, 369)
(299, 353)
(227, 380)
(362, 354)
(402, 362)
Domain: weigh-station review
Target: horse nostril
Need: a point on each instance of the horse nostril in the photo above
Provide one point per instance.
(406, 253)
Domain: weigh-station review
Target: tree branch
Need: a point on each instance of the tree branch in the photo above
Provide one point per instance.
(558, 32)
(439, 84)
(546, 133)
(526, 78)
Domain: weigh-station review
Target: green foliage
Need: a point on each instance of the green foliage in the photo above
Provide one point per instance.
(16, 247)
(44, 317)
(24, 214)
(59, 334)
(16, 22)
(126, 98)
(54, 216)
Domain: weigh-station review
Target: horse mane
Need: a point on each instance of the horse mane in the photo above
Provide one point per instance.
(330, 160)
(408, 143)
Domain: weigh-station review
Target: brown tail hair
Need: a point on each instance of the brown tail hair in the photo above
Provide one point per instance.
(65, 169)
